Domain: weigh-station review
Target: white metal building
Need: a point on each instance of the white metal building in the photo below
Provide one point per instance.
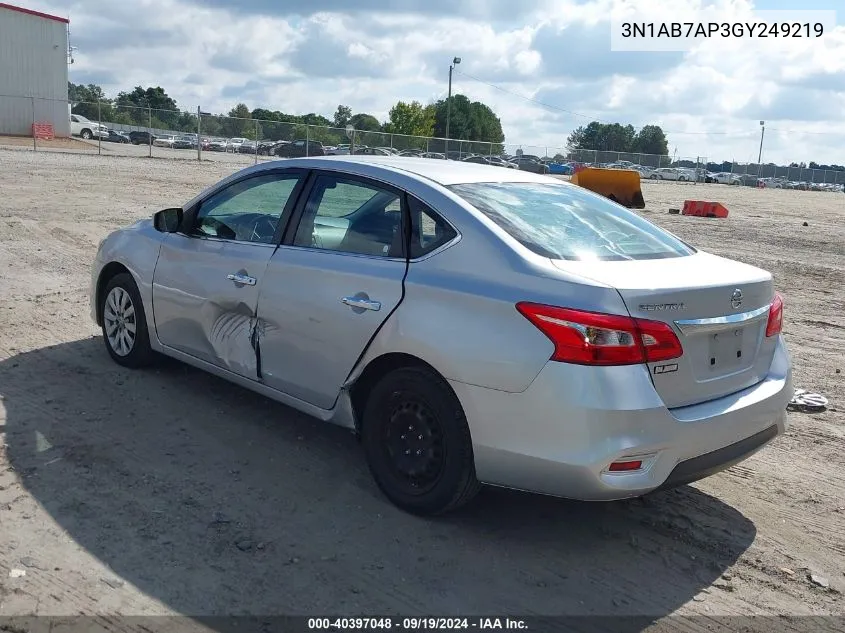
(33, 71)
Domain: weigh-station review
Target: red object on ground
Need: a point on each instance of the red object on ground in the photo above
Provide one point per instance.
(704, 209)
(43, 130)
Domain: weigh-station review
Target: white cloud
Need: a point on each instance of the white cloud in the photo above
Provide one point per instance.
(369, 54)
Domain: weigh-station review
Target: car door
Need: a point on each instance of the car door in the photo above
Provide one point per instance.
(208, 276)
(332, 283)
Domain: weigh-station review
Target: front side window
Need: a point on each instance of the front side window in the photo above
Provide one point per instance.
(561, 221)
(246, 211)
(351, 217)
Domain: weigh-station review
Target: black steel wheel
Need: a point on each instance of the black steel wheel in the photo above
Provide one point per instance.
(417, 442)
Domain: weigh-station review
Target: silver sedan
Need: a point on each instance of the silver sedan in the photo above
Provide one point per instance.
(470, 324)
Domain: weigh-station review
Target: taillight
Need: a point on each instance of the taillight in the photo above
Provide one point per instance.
(593, 338)
(775, 324)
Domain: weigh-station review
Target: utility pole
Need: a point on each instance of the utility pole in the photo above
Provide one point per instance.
(762, 133)
(455, 62)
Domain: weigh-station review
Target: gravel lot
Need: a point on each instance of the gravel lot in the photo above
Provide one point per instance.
(170, 491)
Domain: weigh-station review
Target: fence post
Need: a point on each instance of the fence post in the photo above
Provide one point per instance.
(307, 140)
(256, 141)
(391, 140)
(99, 130)
(150, 129)
(32, 127)
(199, 134)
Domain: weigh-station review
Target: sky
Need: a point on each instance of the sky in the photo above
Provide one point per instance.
(544, 66)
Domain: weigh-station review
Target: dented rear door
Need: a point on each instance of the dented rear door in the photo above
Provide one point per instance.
(205, 295)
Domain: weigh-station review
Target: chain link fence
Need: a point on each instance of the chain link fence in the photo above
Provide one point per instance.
(107, 128)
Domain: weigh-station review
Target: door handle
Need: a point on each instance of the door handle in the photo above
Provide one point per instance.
(241, 279)
(358, 302)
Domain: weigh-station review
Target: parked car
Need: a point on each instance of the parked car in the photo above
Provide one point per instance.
(489, 160)
(165, 140)
(268, 148)
(372, 151)
(80, 126)
(216, 145)
(340, 150)
(301, 148)
(234, 144)
(435, 155)
(673, 173)
(141, 138)
(248, 147)
(186, 141)
(592, 355)
(529, 164)
(560, 168)
(113, 136)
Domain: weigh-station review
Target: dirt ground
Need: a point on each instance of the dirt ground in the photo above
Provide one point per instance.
(169, 491)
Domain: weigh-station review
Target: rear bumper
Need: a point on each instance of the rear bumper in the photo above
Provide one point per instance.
(560, 435)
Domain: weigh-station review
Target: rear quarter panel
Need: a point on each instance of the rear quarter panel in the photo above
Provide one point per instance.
(459, 314)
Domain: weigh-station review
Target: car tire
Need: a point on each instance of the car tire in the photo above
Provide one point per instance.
(427, 468)
(86, 134)
(119, 295)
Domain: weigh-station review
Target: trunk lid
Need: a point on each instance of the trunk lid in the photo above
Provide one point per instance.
(718, 309)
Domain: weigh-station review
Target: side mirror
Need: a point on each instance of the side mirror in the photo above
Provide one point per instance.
(168, 220)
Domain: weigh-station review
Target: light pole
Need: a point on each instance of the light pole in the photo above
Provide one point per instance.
(762, 133)
(455, 62)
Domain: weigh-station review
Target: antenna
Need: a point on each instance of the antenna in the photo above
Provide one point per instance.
(70, 48)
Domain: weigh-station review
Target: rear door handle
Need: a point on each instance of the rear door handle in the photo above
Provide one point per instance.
(358, 302)
(238, 278)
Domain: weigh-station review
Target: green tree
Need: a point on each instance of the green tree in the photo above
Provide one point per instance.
(365, 122)
(238, 123)
(342, 116)
(651, 140)
(84, 101)
(470, 120)
(412, 119)
(615, 137)
(139, 101)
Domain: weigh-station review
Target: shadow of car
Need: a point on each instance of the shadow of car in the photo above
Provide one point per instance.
(169, 475)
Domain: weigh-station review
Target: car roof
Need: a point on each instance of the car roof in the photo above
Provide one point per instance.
(444, 172)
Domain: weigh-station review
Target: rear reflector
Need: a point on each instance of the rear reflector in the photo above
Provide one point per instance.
(593, 338)
(616, 467)
(775, 324)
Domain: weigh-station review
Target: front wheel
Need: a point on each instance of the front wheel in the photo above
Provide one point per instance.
(417, 443)
(124, 323)
(86, 134)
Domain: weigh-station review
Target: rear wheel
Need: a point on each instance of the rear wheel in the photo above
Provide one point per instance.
(417, 442)
(124, 323)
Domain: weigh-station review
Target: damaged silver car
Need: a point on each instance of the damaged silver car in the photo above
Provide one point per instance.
(471, 324)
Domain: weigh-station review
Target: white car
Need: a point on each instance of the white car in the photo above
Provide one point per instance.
(80, 126)
(165, 140)
(674, 173)
(726, 178)
(234, 144)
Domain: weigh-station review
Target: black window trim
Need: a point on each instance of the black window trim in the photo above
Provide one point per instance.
(435, 216)
(296, 216)
(190, 213)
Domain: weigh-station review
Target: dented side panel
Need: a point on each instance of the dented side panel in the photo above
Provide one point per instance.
(200, 310)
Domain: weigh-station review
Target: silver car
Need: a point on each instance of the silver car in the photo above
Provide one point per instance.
(469, 323)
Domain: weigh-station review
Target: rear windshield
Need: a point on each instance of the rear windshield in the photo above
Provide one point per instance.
(562, 221)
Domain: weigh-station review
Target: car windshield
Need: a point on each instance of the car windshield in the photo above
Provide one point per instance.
(562, 221)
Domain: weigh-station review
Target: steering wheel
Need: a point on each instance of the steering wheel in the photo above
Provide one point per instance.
(263, 230)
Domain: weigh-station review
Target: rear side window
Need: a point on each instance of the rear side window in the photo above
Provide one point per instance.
(563, 221)
(428, 230)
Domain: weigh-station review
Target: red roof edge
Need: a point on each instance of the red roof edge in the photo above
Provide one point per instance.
(11, 7)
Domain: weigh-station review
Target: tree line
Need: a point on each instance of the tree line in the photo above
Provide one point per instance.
(153, 107)
(615, 137)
